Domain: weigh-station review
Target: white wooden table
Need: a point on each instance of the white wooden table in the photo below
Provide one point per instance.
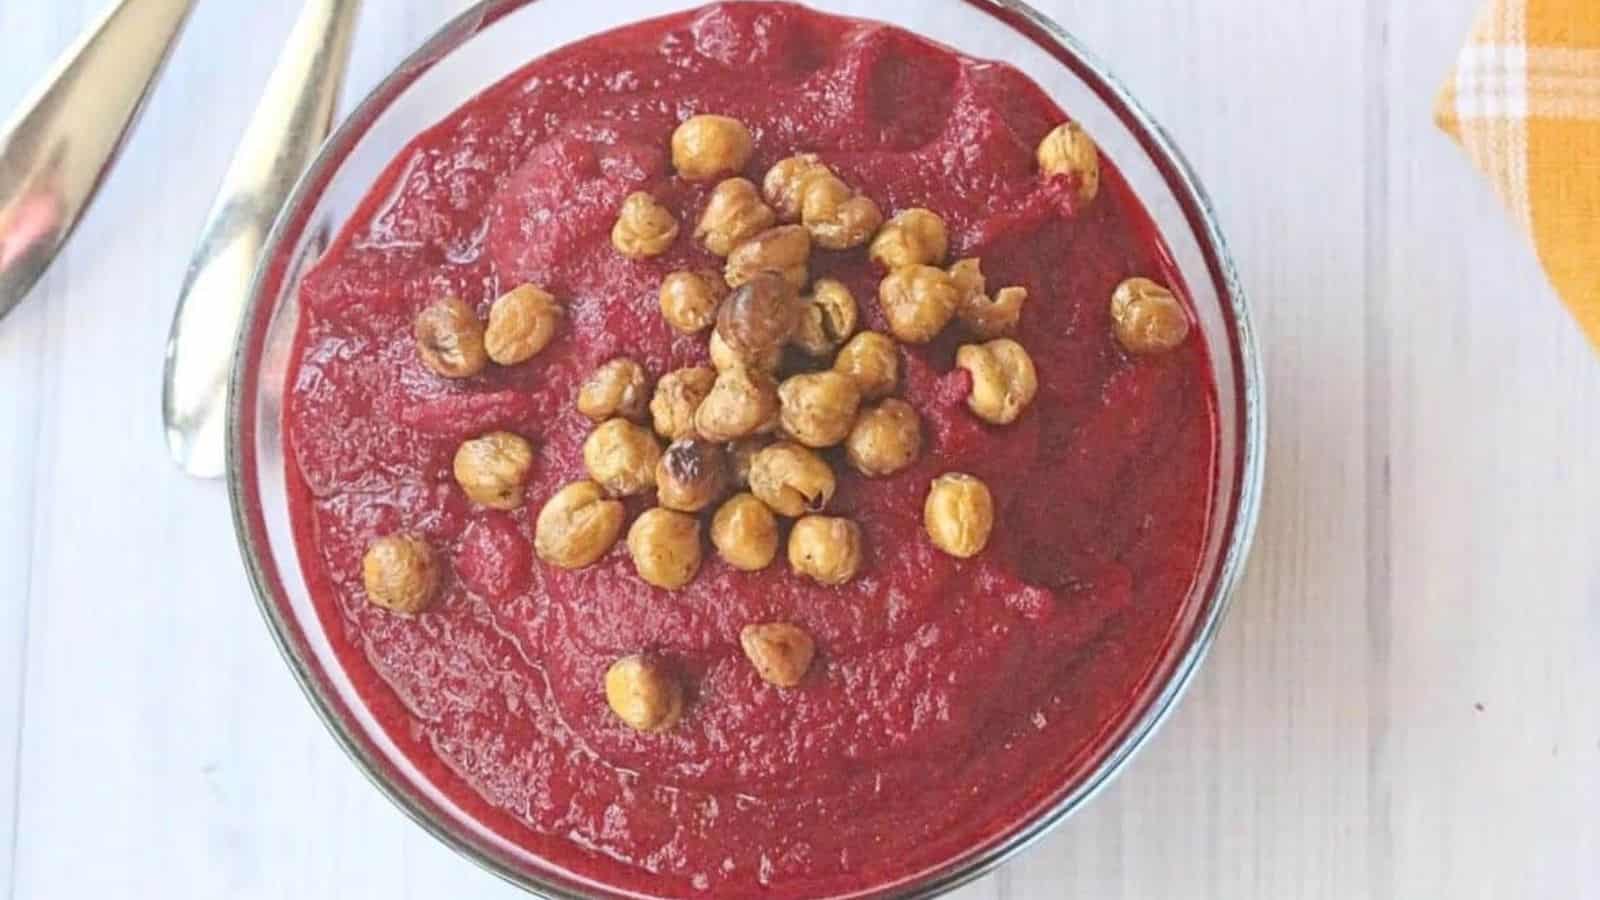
(1405, 702)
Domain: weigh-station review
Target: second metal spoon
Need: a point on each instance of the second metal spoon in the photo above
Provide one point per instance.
(289, 125)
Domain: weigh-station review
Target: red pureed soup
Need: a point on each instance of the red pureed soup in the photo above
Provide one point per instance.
(947, 695)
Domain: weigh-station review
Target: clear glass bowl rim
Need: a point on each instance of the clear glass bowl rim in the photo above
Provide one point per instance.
(1198, 210)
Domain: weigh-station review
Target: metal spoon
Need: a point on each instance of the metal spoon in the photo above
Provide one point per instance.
(56, 151)
(289, 125)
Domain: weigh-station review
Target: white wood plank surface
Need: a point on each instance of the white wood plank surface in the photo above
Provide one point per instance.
(1426, 549)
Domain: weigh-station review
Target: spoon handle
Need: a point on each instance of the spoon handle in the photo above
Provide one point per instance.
(55, 152)
(289, 125)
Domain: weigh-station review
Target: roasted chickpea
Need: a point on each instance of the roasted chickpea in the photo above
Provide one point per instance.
(785, 250)
(618, 388)
(759, 318)
(521, 323)
(1068, 150)
(723, 358)
(783, 183)
(872, 361)
(837, 217)
(827, 318)
(918, 301)
(689, 300)
(1147, 318)
(644, 227)
(791, 480)
(577, 526)
(734, 214)
(665, 545)
(1003, 379)
(492, 469)
(818, 408)
(643, 693)
(621, 457)
(781, 652)
(959, 514)
(691, 475)
(914, 237)
(742, 402)
(825, 549)
(985, 316)
(400, 573)
(705, 146)
(740, 453)
(745, 533)
(678, 395)
(885, 439)
(450, 339)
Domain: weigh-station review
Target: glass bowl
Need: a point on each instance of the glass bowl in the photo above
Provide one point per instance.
(486, 43)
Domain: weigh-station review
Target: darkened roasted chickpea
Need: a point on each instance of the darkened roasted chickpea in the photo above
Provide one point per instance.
(706, 146)
(914, 237)
(783, 182)
(577, 526)
(492, 469)
(689, 300)
(734, 214)
(885, 439)
(450, 339)
(918, 301)
(1003, 379)
(1147, 318)
(872, 361)
(644, 227)
(825, 549)
(985, 316)
(691, 475)
(818, 408)
(785, 250)
(740, 453)
(745, 533)
(827, 318)
(618, 388)
(723, 358)
(1068, 150)
(621, 457)
(742, 402)
(665, 545)
(959, 514)
(781, 652)
(643, 693)
(791, 480)
(837, 217)
(678, 395)
(521, 323)
(400, 573)
(759, 318)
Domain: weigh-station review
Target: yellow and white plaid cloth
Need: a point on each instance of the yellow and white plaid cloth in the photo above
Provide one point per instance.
(1524, 102)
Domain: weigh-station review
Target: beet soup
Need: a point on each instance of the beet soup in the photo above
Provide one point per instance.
(951, 649)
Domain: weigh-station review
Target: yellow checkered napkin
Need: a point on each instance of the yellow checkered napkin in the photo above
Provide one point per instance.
(1525, 104)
